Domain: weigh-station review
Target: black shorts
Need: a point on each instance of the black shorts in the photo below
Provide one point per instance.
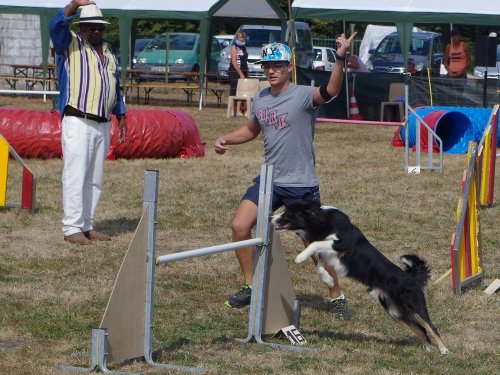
(282, 195)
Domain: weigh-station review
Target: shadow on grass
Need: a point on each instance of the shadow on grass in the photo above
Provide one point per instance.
(159, 356)
(118, 226)
(164, 352)
(317, 303)
(313, 301)
(361, 337)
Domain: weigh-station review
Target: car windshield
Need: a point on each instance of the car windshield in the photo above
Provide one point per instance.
(180, 42)
(257, 38)
(419, 47)
(390, 45)
(140, 44)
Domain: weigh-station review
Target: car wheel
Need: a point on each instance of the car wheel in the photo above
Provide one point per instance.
(195, 77)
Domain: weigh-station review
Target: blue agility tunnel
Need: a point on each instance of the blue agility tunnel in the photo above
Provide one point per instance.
(456, 126)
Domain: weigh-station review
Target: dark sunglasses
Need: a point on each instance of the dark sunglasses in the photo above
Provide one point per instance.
(278, 66)
(92, 27)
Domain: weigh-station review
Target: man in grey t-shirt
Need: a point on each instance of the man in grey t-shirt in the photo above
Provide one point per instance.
(285, 113)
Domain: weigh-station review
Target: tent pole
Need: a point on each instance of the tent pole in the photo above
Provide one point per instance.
(291, 42)
(124, 26)
(346, 77)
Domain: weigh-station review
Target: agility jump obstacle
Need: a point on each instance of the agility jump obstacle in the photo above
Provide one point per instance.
(28, 185)
(126, 329)
(477, 191)
(432, 138)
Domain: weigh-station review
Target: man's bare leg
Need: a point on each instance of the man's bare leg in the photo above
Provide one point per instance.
(337, 300)
(333, 292)
(242, 224)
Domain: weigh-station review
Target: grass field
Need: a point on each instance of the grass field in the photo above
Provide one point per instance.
(53, 293)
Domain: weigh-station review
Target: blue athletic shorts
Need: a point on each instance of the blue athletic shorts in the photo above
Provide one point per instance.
(282, 196)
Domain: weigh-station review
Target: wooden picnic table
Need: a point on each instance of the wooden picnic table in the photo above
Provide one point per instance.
(31, 75)
(149, 80)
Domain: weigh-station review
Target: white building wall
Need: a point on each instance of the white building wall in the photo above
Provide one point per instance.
(20, 41)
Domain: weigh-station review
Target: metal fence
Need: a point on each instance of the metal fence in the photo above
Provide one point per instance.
(330, 42)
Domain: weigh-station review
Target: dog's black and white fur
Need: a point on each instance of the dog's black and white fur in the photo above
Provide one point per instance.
(338, 243)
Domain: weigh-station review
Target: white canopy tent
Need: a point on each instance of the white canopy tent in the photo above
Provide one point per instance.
(403, 13)
(203, 11)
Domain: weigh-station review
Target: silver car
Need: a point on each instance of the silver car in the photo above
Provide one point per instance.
(259, 35)
(224, 40)
(493, 73)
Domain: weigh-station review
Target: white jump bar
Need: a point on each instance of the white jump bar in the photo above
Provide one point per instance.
(29, 92)
(208, 250)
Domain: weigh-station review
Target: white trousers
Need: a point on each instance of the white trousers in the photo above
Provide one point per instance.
(85, 144)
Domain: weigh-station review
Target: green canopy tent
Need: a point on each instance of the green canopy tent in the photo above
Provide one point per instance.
(403, 13)
(203, 11)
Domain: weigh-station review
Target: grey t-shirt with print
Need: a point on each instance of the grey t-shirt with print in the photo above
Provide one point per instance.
(287, 121)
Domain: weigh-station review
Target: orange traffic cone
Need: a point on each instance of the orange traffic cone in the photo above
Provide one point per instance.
(353, 108)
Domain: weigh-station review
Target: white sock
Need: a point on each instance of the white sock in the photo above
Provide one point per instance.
(341, 297)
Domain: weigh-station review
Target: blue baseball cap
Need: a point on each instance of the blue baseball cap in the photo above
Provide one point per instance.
(275, 52)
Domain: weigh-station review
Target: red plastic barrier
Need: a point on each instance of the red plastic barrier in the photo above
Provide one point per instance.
(150, 134)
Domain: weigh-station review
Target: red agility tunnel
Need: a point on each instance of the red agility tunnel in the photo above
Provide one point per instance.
(150, 134)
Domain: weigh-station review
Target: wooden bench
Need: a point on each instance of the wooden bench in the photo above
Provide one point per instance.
(29, 81)
(189, 90)
(218, 91)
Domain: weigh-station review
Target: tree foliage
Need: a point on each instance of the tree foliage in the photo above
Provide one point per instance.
(149, 28)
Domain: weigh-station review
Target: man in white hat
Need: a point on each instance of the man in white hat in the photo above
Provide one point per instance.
(89, 87)
(285, 114)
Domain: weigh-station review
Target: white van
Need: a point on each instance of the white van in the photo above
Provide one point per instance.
(258, 35)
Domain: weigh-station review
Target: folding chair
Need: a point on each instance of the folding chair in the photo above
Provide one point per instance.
(264, 84)
(396, 90)
(245, 91)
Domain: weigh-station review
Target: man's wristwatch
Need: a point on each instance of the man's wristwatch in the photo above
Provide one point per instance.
(338, 57)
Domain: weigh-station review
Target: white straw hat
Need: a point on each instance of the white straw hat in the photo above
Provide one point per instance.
(91, 14)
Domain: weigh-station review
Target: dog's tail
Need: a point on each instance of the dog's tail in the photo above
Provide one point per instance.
(416, 267)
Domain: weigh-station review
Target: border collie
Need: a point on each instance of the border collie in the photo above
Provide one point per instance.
(335, 242)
